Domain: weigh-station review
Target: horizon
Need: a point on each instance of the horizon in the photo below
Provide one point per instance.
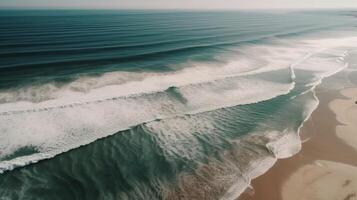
(174, 9)
(178, 5)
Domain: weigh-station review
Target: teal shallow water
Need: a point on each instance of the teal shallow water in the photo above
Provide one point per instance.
(157, 105)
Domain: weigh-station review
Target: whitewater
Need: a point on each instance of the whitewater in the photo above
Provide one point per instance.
(214, 123)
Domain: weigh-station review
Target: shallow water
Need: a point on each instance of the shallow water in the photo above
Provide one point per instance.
(157, 105)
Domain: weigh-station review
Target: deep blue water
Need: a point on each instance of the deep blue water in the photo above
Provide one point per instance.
(39, 46)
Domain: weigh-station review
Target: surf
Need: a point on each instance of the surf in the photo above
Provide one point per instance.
(109, 106)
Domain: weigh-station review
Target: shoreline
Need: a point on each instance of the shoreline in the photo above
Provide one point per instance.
(320, 143)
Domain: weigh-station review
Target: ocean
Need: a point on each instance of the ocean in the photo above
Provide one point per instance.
(134, 104)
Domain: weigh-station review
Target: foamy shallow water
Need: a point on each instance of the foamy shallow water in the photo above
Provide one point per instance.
(199, 129)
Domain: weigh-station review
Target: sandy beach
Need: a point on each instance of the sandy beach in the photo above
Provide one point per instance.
(326, 167)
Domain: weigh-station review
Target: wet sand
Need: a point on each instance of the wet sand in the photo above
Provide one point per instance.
(326, 167)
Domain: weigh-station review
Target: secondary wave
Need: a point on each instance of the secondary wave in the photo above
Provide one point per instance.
(55, 126)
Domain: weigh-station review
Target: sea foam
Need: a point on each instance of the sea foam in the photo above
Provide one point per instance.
(61, 118)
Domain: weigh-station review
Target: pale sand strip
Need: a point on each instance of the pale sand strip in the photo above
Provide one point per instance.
(325, 168)
(346, 113)
(323, 180)
(327, 180)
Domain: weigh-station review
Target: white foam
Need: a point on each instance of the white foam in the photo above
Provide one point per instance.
(59, 129)
(286, 144)
(55, 119)
(281, 144)
(323, 63)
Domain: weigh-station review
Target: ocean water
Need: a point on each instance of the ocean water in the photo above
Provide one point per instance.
(159, 104)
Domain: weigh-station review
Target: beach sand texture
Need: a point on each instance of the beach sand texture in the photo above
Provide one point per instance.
(346, 114)
(323, 180)
(325, 168)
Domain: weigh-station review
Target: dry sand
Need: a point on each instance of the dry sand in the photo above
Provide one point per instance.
(322, 180)
(346, 113)
(325, 168)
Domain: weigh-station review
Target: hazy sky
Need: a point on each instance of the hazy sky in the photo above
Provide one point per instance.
(180, 4)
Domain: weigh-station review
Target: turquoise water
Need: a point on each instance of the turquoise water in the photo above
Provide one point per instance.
(157, 104)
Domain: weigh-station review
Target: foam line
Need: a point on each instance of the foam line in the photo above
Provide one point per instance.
(62, 118)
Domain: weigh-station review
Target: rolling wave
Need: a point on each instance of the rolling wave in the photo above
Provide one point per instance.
(105, 116)
(162, 106)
